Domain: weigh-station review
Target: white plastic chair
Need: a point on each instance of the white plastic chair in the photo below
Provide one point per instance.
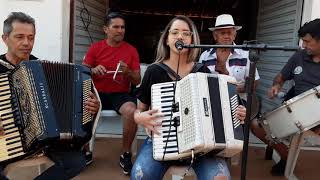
(294, 149)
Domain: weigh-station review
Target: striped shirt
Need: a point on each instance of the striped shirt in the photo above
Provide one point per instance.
(238, 63)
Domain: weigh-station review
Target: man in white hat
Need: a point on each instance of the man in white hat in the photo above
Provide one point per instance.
(233, 62)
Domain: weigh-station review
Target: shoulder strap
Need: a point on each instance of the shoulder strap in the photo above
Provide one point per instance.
(6, 64)
(169, 70)
(196, 67)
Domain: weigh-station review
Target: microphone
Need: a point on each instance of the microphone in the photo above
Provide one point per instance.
(179, 45)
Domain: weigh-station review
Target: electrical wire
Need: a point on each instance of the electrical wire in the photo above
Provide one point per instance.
(171, 114)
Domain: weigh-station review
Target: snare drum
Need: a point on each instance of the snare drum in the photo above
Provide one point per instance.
(296, 115)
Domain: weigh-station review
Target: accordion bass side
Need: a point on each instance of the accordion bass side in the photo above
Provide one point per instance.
(203, 117)
(41, 104)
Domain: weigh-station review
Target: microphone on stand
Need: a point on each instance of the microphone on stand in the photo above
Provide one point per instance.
(179, 45)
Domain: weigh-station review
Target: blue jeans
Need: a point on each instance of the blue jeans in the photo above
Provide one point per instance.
(205, 167)
(67, 165)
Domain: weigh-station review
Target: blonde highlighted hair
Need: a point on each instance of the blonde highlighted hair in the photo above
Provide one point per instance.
(163, 50)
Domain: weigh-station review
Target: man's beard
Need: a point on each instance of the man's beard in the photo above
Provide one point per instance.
(118, 38)
(309, 52)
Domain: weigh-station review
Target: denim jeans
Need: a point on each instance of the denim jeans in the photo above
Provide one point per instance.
(205, 167)
(67, 165)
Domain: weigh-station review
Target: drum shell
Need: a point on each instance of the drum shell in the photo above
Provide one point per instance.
(297, 115)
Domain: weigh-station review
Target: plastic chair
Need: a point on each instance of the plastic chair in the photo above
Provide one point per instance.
(295, 145)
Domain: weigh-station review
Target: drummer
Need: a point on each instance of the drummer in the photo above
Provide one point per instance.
(304, 69)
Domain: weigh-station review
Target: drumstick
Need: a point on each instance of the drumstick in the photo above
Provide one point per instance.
(117, 70)
(110, 72)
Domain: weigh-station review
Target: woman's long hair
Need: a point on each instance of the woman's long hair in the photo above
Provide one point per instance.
(163, 50)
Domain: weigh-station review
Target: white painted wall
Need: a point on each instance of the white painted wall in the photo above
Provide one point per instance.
(52, 26)
(310, 10)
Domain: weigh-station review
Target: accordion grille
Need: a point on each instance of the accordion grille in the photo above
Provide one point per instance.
(189, 125)
(34, 127)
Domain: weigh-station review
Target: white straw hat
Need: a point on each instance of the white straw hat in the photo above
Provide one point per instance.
(224, 21)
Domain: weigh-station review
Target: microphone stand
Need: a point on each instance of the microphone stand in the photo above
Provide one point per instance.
(254, 50)
(249, 47)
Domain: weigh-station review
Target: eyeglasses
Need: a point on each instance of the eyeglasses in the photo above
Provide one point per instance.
(184, 34)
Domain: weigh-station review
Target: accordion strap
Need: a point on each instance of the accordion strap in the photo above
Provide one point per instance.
(195, 69)
(6, 64)
(169, 70)
(96, 118)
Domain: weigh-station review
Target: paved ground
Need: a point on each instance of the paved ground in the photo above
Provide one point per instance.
(106, 159)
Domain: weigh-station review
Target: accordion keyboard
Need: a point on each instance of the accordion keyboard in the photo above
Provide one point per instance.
(10, 141)
(165, 145)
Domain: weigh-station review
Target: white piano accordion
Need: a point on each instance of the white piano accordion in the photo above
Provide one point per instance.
(202, 119)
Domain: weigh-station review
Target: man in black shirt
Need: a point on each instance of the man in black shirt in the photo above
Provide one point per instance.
(304, 66)
(18, 35)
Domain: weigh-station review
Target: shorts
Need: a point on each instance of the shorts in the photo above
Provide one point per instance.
(114, 101)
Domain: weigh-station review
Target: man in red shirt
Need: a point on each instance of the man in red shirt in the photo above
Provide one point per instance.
(103, 58)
